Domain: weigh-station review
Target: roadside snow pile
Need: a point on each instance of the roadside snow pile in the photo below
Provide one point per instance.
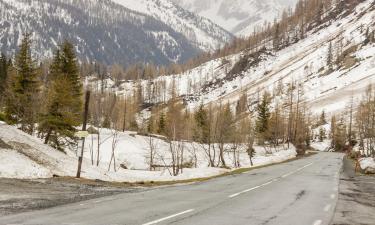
(16, 165)
(323, 146)
(368, 165)
(25, 157)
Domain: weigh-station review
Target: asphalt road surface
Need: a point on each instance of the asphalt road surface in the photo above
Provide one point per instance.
(301, 192)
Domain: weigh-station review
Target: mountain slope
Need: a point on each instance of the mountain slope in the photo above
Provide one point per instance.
(238, 16)
(303, 63)
(203, 33)
(101, 30)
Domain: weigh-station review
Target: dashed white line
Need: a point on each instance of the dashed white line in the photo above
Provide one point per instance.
(169, 217)
(287, 175)
(318, 222)
(265, 184)
(269, 182)
(327, 208)
(247, 190)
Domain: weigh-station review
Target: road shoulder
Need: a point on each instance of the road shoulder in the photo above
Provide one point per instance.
(356, 200)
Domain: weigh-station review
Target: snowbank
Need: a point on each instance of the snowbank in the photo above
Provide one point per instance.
(368, 165)
(27, 157)
(323, 146)
(16, 165)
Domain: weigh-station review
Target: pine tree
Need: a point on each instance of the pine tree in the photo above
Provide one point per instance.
(161, 124)
(21, 103)
(202, 124)
(263, 117)
(69, 67)
(64, 104)
(3, 75)
(322, 119)
(322, 134)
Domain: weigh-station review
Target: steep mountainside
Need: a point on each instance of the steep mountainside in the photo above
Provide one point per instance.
(101, 29)
(303, 63)
(203, 33)
(238, 16)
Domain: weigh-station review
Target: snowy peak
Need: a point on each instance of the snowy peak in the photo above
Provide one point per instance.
(203, 33)
(102, 31)
(238, 16)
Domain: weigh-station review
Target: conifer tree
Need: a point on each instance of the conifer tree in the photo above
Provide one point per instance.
(161, 124)
(64, 104)
(263, 117)
(3, 75)
(202, 124)
(21, 103)
(322, 119)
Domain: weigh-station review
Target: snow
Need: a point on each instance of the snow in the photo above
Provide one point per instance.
(205, 34)
(238, 16)
(30, 158)
(323, 146)
(367, 164)
(303, 62)
(16, 165)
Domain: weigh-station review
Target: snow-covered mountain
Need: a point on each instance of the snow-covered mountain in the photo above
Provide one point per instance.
(304, 63)
(203, 33)
(106, 31)
(238, 16)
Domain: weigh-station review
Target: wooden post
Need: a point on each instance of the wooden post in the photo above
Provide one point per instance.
(85, 115)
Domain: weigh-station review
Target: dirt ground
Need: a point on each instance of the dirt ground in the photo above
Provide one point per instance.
(356, 204)
(18, 196)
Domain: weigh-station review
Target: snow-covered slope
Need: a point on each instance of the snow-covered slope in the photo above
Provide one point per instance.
(23, 156)
(304, 63)
(101, 29)
(238, 16)
(203, 33)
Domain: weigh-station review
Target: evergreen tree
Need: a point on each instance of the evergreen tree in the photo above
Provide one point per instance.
(3, 75)
(263, 116)
(161, 124)
(322, 134)
(202, 124)
(322, 119)
(64, 104)
(21, 103)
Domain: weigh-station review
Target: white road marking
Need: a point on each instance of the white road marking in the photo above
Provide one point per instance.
(247, 190)
(265, 184)
(169, 217)
(333, 196)
(318, 222)
(327, 208)
(269, 182)
(287, 175)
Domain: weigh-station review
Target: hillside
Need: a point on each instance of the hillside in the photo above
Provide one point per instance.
(304, 63)
(200, 31)
(102, 30)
